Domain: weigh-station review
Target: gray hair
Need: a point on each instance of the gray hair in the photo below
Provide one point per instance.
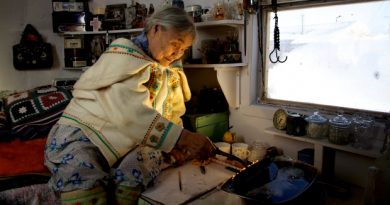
(171, 18)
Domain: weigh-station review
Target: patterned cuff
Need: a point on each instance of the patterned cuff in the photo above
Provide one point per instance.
(162, 134)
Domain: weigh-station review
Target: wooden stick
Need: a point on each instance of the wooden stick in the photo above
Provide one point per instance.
(180, 185)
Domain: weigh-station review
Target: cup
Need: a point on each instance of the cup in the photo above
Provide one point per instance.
(240, 150)
(224, 147)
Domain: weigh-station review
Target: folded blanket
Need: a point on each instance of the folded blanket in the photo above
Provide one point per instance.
(22, 157)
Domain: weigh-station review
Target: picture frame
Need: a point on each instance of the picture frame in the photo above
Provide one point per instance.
(114, 18)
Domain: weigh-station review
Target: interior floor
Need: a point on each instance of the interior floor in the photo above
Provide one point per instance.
(355, 198)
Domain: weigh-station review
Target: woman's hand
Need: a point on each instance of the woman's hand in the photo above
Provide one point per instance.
(195, 146)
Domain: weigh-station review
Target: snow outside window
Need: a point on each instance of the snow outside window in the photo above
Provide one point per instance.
(338, 56)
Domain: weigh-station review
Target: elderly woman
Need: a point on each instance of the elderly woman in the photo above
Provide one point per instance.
(124, 118)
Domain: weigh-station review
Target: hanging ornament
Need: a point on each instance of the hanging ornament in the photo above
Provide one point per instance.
(276, 58)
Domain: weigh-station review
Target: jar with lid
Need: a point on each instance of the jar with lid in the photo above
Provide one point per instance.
(258, 151)
(339, 130)
(178, 3)
(195, 11)
(362, 131)
(317, 126)
(295, 124)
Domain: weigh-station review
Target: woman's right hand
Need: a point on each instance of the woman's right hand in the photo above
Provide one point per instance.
(195, 146)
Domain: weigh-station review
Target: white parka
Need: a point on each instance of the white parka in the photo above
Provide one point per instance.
(125, 99)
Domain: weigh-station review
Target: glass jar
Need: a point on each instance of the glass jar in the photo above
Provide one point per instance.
(339, 130)
(178, 3)
(258, 151)
(362, 132)
(317, 126)
(195, 11)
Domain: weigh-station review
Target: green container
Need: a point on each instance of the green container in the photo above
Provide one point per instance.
(212, 125)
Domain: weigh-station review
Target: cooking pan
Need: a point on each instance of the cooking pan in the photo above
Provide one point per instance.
(272, 181)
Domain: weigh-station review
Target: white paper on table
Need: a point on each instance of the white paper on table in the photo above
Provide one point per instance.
(166, 188)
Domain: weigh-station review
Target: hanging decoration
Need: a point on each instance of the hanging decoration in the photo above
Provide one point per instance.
(32, 52)
(276, 58)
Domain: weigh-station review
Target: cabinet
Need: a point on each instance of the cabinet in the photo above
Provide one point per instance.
(228, 74)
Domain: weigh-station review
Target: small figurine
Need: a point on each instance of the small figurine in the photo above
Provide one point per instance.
(151, 9)
(96, 24)
(219, 11)
(97, 48)
(239, 11)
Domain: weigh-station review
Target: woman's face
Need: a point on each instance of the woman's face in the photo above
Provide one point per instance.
(166, 45)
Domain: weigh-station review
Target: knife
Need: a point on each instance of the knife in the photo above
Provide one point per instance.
(231, 156)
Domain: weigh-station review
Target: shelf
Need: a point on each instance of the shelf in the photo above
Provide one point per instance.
(136, 30)
(373, 153)
(224, 22)
(324, 151)
(84, 68)
(233, 23)
(215, 66)
(226, 74)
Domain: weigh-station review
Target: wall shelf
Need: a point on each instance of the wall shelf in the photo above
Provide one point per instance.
(225, 22)
(373, 153)
(321, 144)
(228, 75)
(220, 66)
(136, 30)
(232, 23)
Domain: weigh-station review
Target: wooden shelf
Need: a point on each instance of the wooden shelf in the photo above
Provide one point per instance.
(373, 153)
(84, 68)
(225, 22)
(225, 65)
(136, 30)
(228, 75)
(233, 23)
(325, 152)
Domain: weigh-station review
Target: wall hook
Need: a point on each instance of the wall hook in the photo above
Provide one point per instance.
(277, 57)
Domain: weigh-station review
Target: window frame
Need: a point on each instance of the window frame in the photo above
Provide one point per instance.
(263, 20)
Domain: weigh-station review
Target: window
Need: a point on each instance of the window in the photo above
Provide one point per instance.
(338, 56)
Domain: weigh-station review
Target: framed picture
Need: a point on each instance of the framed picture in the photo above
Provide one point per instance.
(114, 17)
